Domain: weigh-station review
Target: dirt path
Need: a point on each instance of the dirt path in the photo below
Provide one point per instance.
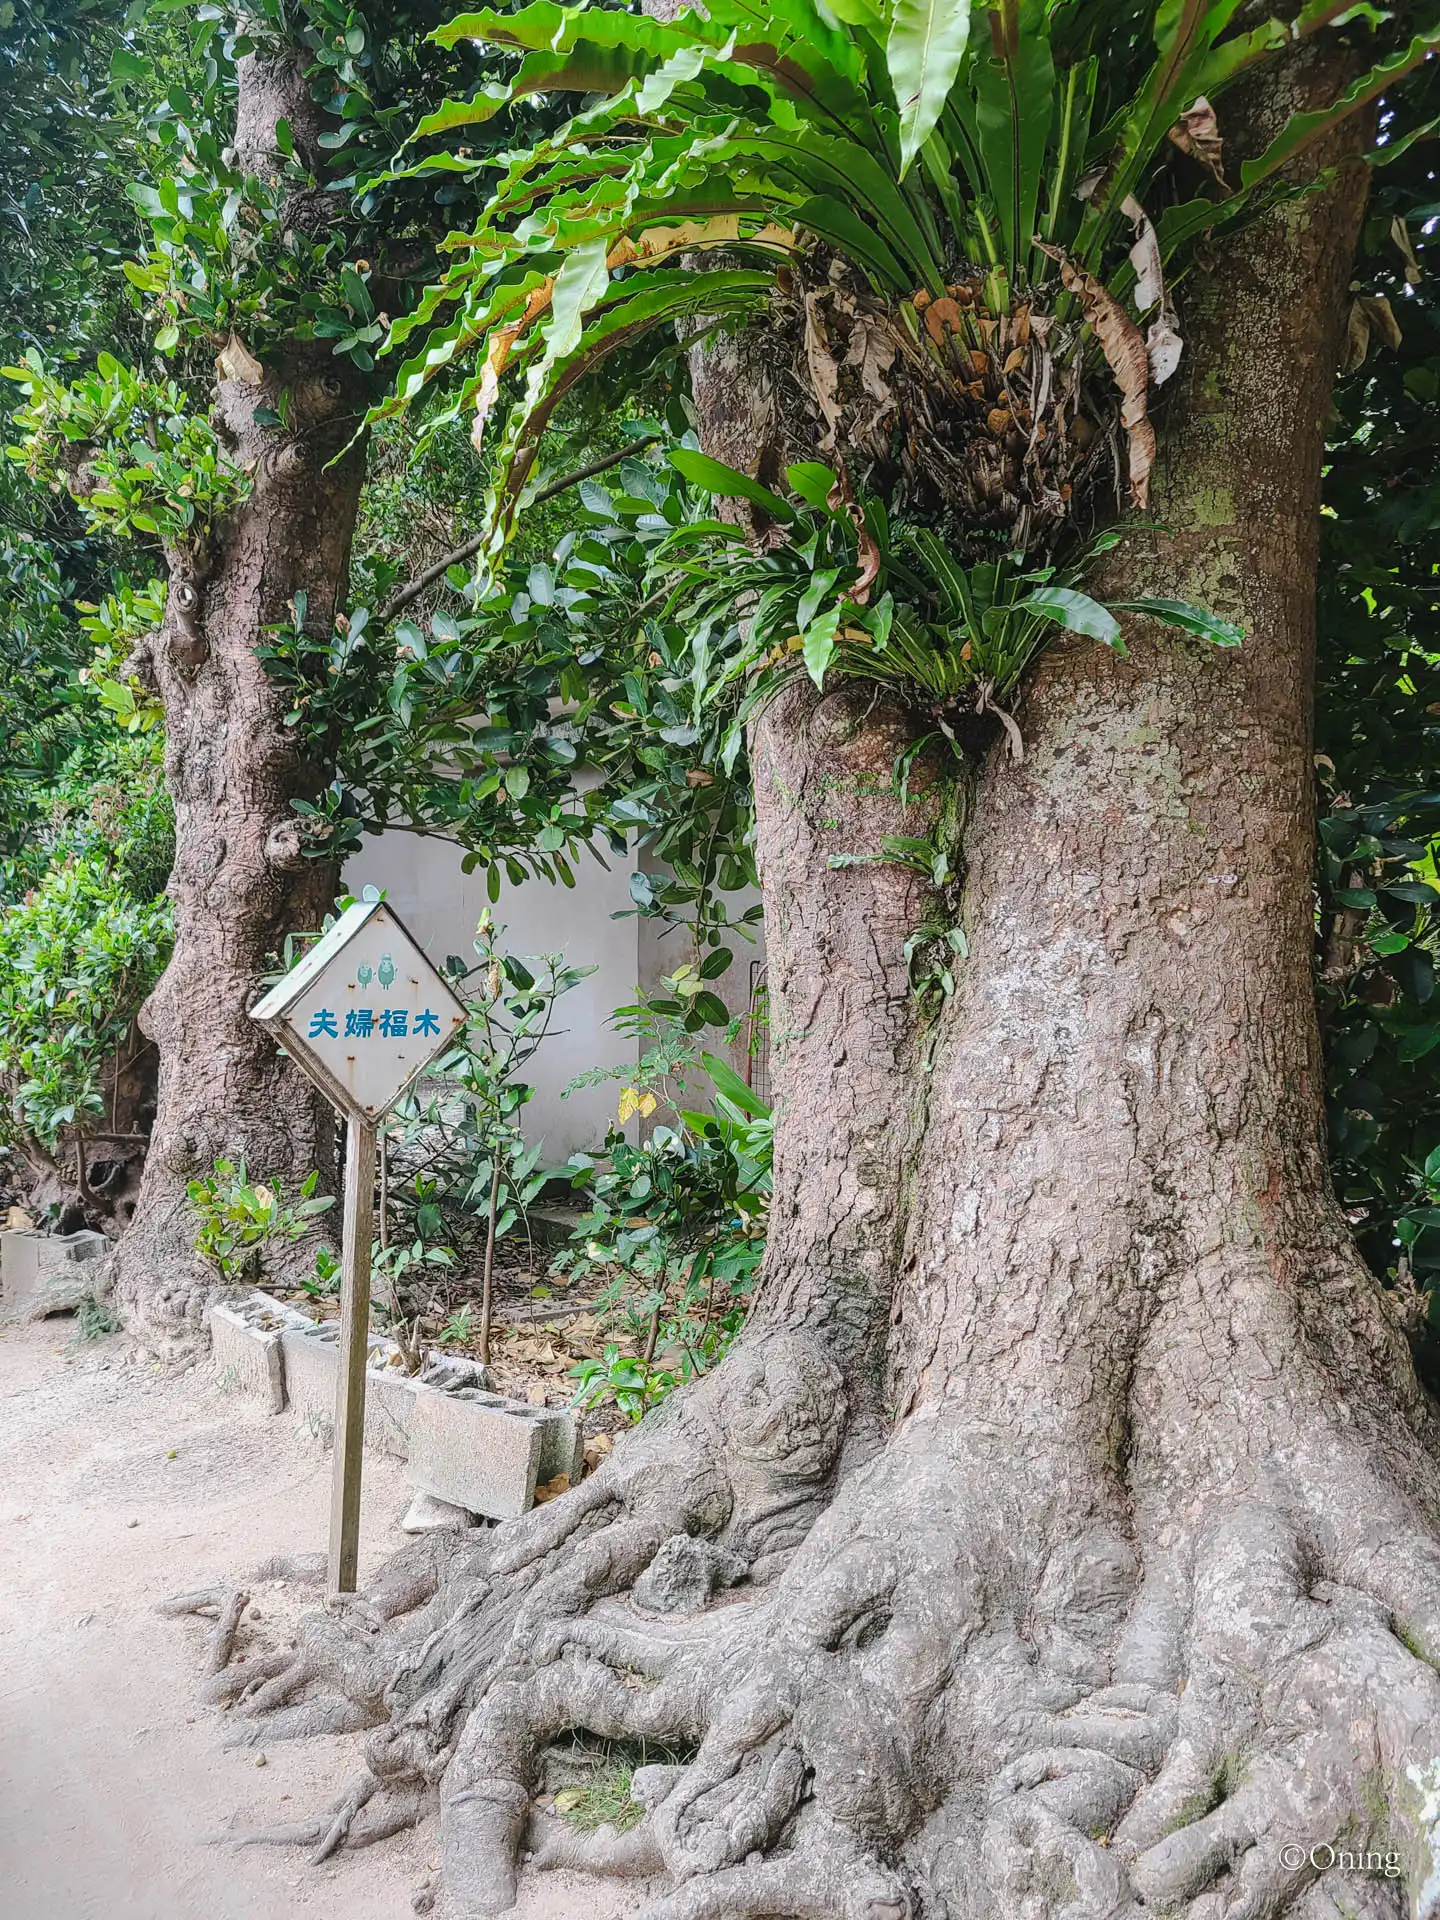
(120, 1484)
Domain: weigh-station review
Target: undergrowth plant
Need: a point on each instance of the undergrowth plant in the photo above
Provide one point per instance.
(678, 1223)
(94, 1320)
(240, 1220)
(852, 595)
(461, 1133)
(132, 450)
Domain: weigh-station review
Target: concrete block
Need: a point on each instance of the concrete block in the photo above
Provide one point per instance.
(47, 1273)
(480, 1451)
(476, 1450)
(562, 1449)
(312, 1359)
(426, 1514)
(310, 1364)
(389, 1402)
(245, 1344)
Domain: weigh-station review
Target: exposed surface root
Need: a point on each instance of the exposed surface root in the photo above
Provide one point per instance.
(981, 1689)
(552, 1843)
(354, 1822)
(969, 1703)
(220, 1641)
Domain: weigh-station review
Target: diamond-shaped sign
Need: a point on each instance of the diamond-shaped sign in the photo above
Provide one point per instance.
(363, 1012)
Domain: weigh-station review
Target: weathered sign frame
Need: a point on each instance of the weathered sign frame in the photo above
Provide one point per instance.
(358, 1221)
(273, 1010)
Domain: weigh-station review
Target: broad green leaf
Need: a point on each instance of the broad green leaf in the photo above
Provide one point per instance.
(923, 52)
(801, 50)
(125, 65)
(656, 88)
(1076, 107)
(578, 287)
(1179, 613)
(1185, 33)
(145, 198)
(812, 481)
(1418, 1042)
(830, 165)
(1014, 102)
(728, 1082)
(465, 113)
(1076, 612)
(541, 583)
(728, 482)
(869, 14)
(820, 585)
(949, 575)
(620, 320)
(819, 647)
(1302, 128)
(1393, 149)
(544, 26)
(831, 220)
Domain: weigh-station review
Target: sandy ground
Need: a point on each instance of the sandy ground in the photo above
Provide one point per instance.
(121, 1483)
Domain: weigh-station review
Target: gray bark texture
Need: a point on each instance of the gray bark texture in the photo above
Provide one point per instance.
(242, 880)
(1087, 1497)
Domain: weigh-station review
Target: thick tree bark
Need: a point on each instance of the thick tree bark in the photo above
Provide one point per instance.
(242, 879)
(1137, 1607)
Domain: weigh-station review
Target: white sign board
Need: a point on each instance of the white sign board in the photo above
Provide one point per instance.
(363, 1012)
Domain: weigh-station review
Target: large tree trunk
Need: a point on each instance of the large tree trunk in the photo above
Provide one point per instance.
(1087, 1496)
(242, 879)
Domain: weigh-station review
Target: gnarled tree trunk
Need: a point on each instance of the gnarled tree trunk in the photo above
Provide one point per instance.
(242, 880)
(1089, 1504)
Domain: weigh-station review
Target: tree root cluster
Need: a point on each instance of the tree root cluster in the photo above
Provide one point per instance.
(968, 1687)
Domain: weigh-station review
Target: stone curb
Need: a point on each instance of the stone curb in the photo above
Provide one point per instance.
(45, 1273)
(464, 1444)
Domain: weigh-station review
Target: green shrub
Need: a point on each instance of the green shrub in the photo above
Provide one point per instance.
(94, 1320)
(238, 1218)
(679, 1222)
(78, 955)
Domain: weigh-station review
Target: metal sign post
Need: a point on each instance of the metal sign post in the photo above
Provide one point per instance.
(362, 1014)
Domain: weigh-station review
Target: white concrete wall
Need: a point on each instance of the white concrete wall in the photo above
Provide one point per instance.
(440, 904)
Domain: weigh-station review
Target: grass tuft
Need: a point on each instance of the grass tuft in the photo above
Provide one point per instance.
(605, 1802)
(94, 1320)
